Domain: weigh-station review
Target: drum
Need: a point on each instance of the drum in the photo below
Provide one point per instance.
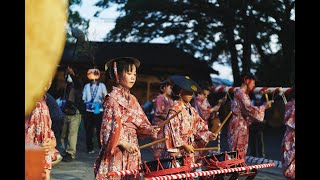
(219, 160)
(34, 162)
(172, 165)
(215, 124)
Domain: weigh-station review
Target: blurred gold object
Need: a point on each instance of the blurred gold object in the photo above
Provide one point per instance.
(45, 35)
(34, 162)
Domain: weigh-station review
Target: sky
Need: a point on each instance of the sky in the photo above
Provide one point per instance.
(100, 26)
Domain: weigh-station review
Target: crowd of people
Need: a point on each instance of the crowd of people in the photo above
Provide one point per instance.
(119, 120)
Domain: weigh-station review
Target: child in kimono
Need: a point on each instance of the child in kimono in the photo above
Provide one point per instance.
(161, 107)
(123, 121)
(38, 132)
(288, 142)
(187, 129)
(243, 113)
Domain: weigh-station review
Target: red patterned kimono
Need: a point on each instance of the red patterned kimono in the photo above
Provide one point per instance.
(203, 107)
(38, 129)
(243, 113)
(288, 142)
(123, 121)
(187, 128)
(161, 108)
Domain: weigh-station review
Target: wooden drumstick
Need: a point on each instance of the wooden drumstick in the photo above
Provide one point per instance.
(207, 149)
(224, 121)
(153, 143)
(168, 120)
(266, 95)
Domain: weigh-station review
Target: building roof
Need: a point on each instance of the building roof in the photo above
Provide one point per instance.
(156, 59)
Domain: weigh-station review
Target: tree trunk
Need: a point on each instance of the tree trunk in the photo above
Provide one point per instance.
(247, 41)
(234, 56)
(287, 40)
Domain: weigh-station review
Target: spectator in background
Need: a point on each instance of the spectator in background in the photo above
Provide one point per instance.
(72, 99)
(57, 118)
(56, 114)
(256, 142)
(93, 96)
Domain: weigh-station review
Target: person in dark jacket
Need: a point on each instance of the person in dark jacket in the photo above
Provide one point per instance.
(56, 114)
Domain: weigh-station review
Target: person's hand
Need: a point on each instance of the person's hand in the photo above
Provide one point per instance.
(155, 131)
(215, 109)
(213, 136)
(188, 148)
(223, 100)
(131, 148)
(268, 104)
(70, 71)
(46, 146)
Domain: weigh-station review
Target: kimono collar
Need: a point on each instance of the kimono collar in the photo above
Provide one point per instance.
(186, 106)
(121, 95)
(124, 92)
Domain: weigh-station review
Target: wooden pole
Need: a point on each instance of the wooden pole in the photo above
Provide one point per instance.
(153, 143)
(168, 120)
(224, 121)
(207, 149)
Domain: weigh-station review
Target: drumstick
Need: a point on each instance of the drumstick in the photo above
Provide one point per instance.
(224, 121)
(207, 149)
(266, 95)
(152, 143)
(168, 120)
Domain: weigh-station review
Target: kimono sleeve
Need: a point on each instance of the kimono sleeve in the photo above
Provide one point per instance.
(289, 117)
(249, 109)
(144, 125)
(109, 124)
(201, 106)
(172, 131)
(30, 127)
(159, 107)
(201, 129)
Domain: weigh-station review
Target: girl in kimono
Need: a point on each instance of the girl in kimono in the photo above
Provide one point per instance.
(38, 132)
(161, 107)
(243, 113)
(123, 121)
(288, 142)
(188, 127)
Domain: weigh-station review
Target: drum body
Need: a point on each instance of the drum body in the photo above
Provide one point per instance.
(172, 165)
(222, 160)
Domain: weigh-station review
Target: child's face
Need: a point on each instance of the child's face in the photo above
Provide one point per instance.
(168, 90)
(186, 96)
(128, 79)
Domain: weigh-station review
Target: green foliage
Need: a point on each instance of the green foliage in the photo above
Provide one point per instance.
(75, 20)
(193, 26)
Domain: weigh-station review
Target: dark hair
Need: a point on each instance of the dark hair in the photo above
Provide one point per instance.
(122, 66)
(204, 85)
(175, 92)
(164, 84)
(246, 76)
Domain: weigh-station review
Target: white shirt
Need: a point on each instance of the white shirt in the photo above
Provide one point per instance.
(100, 94)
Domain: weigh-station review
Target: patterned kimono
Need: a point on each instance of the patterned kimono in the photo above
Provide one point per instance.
(38, 130)
(243, 113)
(123, 121)
(203, 107)
(288, 142)
(161, 108)
(187, 128)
